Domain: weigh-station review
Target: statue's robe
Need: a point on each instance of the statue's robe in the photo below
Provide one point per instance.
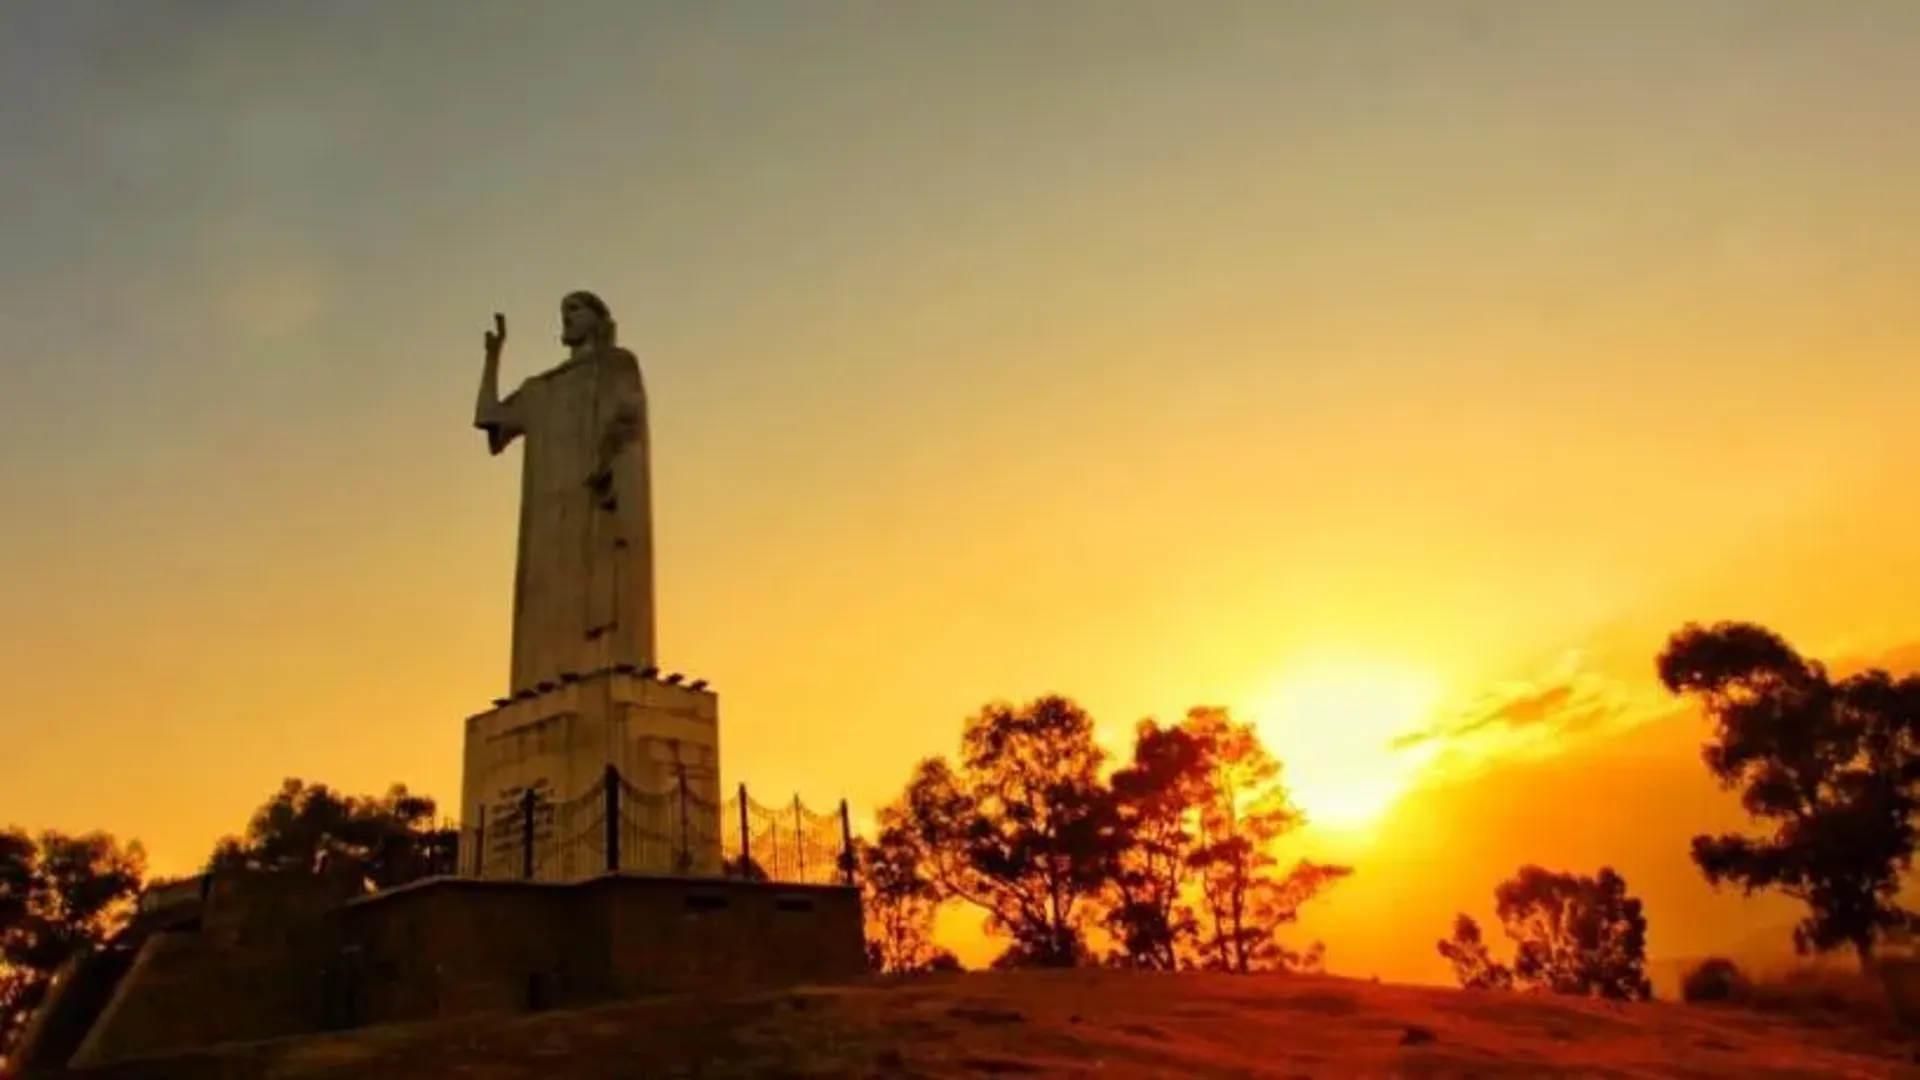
(583, 596)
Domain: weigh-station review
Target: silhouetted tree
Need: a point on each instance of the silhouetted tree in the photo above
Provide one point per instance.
(59, 894)
(1715, 979)
(899, 904)
(1020, 828)
(390, 839)
(1175, 853)
(1313, 958)
(1572, 934)
(1830, 766)
(1244, 810)
(1157, 798)
(1474, 967)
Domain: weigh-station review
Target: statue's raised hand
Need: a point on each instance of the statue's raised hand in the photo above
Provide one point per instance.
(497, 337)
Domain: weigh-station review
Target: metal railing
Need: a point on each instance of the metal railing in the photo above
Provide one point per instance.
(615, 827)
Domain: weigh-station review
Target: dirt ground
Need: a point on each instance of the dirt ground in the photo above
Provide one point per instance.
(1107, 1024)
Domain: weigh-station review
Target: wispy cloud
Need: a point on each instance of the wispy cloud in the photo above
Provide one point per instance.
(1569, 704)
(1565, 705)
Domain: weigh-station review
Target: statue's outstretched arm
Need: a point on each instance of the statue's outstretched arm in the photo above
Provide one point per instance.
(501, 420)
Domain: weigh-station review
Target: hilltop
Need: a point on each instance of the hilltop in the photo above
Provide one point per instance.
(1110, 1024)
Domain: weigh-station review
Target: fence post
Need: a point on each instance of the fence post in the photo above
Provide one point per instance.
(746, 846)
(799, 843)
(527, 800)
(848, 860)
(611, 781)
(480, 841)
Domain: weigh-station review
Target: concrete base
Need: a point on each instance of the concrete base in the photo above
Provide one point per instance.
(281, 956)
(557, 741)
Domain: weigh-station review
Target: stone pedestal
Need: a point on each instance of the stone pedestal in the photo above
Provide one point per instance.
(557, 740)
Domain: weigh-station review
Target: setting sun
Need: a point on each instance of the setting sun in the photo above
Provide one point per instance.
(1333, 724)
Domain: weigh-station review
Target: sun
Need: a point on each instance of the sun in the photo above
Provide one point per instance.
(1332, 722)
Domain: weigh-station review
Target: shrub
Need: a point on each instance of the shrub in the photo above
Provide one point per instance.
(1900, 979)
(1715, 979)
(1829, 994)
(1887, 998)
(1823, 993)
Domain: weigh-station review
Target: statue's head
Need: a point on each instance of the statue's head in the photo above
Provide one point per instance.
(585, 320)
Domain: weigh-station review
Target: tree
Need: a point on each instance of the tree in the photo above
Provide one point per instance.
(1156, 799)
(59, 894)
(1572, 934)
(391, 839)
(1828, 766)
(899, 904)
(1174, 854)
(1021, 828)
(1244, 810)
(1715, 979)
(1474, 967)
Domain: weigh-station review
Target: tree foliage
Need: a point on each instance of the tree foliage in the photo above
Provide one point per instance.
(1171, 858)
(1157, 796)
(1244, 811)
(1829, 767)
(390, 839)
(1474, 967)
(1019, 827)
(1573, 934)
(900, 905)
(1715, 979)
(59, 894)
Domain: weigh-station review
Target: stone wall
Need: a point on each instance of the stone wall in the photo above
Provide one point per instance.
(453, 947)
(729, 933)
(179, 993)
(273, 958)
(255, 967)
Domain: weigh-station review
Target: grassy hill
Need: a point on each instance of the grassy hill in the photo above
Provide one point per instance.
(1113, 1025)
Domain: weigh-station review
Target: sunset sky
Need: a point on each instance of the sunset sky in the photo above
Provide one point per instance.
(1369, 367)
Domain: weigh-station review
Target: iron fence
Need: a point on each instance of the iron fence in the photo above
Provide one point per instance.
(615, 826)
(789, 843)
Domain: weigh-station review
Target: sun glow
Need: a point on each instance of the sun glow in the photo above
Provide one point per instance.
(1332, 723)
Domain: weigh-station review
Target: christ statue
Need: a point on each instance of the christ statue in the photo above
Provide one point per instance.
(583, 579)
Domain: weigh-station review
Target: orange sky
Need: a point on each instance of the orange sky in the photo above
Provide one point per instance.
(1152, 358)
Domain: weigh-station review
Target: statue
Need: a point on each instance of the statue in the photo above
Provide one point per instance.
(583, 577)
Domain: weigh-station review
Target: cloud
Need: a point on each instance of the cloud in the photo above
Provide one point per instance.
(1569, 699)
(1586, 762)
(1571, 703)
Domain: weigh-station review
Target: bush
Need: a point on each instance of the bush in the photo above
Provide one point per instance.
(1886, 998)
(1824, 993)
(1715, 979)
(1900, 978)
